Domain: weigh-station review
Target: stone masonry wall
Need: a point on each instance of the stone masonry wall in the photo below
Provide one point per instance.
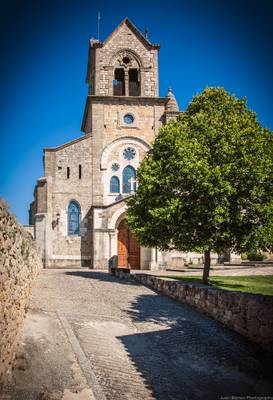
(64, 250)
(106, 129)
(249, 315)
(124, 39)
(19, 264)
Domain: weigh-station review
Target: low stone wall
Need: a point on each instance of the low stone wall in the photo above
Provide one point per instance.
(121, 273)
(249, 315)
(19, 264)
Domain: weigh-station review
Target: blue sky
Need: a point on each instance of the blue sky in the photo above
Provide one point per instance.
(44, 46)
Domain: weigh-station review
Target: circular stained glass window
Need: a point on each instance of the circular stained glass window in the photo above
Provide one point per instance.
(129, 153)
(115, 167)
(128, 119)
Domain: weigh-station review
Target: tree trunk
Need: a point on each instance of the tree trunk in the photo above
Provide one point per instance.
(206, 267)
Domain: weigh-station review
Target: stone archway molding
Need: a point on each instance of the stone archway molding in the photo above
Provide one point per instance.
(121, 141)
(118, 216)
(124, 52)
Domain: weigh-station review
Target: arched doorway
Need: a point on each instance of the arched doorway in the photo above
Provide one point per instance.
(128, 248)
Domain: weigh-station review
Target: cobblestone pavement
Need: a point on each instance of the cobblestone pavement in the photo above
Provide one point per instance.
(127, 342)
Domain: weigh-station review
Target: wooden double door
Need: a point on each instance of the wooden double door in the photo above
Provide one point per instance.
(128, 248)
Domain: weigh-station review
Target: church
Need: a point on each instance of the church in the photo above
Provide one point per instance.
(79, 210)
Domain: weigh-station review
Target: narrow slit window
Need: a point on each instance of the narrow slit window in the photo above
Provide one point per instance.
(80, 172)
(68, 172)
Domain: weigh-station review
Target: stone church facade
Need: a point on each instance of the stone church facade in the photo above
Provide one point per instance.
(79, 210)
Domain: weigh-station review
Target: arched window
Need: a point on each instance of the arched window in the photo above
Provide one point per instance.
(134, 82)
(73, 218)
(129, 179)
(114, 184)
(119, 82)
(126, 74)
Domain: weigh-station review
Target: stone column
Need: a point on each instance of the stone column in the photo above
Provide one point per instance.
(112, 244)
(126, 79)
(142, 86)
(153, 262)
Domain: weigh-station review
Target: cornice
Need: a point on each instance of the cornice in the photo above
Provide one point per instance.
(127, 99)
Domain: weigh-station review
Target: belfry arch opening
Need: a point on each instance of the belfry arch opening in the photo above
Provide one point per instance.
(126, 75)
(119, 82)
(134, 82)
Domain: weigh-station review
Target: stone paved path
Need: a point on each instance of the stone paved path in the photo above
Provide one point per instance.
(88, 329)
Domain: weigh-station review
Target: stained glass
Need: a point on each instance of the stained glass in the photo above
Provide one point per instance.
(128, 119)
(129, 179)
(114, 184)
(115, 167)
(129, 153)
(73, 218)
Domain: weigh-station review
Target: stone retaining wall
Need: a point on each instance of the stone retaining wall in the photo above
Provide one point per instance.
(19, 264)
(249, 315)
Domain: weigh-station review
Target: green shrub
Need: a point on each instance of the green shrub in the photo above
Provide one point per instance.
(256, 256)
(24, 250)
(244, 256)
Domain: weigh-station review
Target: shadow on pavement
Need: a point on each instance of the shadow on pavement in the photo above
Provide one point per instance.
(192, 356)
(182, 354)
(101, 276)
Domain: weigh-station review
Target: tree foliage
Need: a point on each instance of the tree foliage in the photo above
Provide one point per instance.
(207, 183)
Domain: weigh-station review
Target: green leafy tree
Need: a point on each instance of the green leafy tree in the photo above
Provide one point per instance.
(207, 183)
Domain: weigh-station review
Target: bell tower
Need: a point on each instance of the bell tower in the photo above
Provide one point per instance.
(123, 110)
(125, 64)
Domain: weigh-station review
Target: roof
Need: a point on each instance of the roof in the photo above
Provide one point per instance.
(95, 43)
(67, 144)
(172, 105)
(134, 29)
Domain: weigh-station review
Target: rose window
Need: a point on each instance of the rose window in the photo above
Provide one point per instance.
(129, 153)
(115, 167)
